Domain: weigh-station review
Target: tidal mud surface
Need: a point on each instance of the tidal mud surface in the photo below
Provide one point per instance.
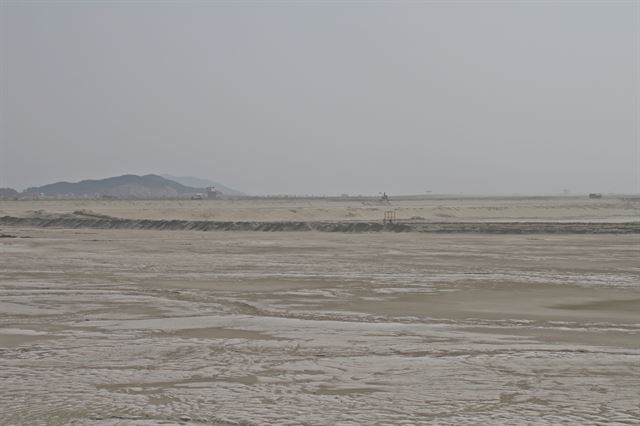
(138, 327)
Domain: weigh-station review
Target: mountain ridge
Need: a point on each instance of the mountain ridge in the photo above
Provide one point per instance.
(128, 186)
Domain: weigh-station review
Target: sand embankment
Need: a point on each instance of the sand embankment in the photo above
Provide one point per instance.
(89, 220)
(558, 209)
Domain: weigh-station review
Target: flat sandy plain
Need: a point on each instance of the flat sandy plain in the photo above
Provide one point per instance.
(144, 327)
(568, 209)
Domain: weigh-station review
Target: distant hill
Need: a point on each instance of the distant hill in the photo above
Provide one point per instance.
(196, 182)
(126, 186)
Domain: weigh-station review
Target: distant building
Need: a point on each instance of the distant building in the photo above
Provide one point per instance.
(213, 193)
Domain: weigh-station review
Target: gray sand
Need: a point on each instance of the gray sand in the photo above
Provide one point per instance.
(145, 327)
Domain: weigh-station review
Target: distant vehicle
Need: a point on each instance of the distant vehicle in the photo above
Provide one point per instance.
(197, 197)
(595, 195)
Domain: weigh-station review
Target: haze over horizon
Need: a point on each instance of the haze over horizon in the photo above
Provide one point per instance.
(324, 98)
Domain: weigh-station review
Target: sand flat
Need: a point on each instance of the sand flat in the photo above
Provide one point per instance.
(146, 327)
(553, 209)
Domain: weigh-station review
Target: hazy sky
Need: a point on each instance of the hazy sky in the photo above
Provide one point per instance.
(325, 97)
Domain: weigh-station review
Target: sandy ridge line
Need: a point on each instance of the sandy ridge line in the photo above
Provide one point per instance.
(68, 221)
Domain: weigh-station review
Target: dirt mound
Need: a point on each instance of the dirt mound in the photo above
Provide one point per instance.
(83, 219)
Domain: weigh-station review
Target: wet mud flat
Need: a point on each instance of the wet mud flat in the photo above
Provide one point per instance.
(142, 327)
